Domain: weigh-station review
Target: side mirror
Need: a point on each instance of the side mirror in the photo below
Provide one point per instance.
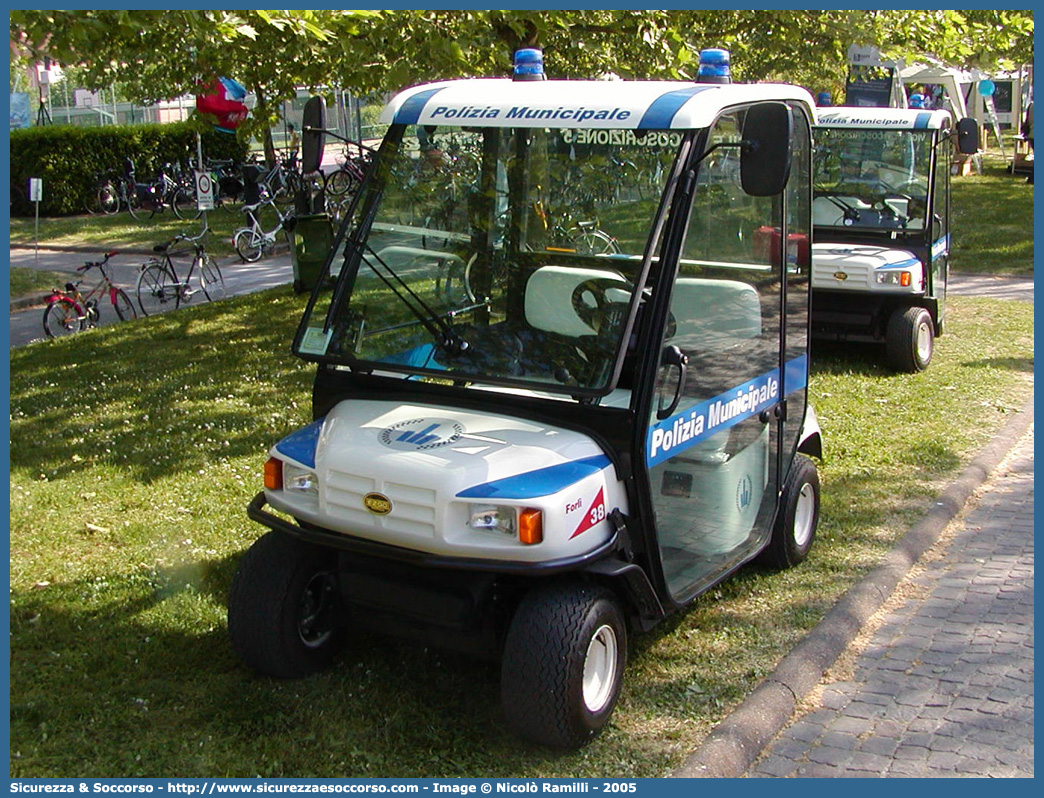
(967, 136)
(672, 357)
(765, 160)
(313, 135)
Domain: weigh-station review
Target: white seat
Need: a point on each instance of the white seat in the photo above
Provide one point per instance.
(549, 298)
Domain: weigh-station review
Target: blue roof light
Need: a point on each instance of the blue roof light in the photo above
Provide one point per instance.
(529, 64)
(714, 66)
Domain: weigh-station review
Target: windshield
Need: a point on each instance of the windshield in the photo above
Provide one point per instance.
(495, 255)
(872, 178)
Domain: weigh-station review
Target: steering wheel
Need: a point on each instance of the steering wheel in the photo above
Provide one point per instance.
(595, 307)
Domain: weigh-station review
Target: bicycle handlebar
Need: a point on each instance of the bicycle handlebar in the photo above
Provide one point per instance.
(91, 264)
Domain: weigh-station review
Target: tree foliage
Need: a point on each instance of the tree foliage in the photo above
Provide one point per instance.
(163, 54)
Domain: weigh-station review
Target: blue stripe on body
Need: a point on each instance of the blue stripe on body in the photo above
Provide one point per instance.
(411, 110)
(660, 113)
(541, 482)
(921, 122)
(300, 445)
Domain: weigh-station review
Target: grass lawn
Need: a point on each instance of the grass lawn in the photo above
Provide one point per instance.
(98, 232)
(135, 449)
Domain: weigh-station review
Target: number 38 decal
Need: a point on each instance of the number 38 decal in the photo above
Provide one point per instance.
(594, 515)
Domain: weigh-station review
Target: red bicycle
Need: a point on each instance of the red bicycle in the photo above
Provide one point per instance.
(69, 311)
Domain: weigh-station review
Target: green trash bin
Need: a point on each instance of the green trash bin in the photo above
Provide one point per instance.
(312, 240)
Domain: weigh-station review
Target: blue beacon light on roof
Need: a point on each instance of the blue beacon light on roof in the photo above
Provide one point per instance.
(529, 64)
(714, 66)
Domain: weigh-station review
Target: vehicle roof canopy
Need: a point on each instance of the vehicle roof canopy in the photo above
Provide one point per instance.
(637, 105)
(883, 118)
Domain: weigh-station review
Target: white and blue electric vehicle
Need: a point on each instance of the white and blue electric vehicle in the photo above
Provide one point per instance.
(881, 215)
(561, 384)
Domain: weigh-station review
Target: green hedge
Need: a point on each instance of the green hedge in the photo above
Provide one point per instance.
(69, 158)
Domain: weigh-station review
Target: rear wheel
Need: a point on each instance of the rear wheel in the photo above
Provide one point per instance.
(249, 244)
(123, 305)
(107, 198)
(62, 318)
(910, 339)
(797, 517)
(158, 289)
(283, 609)
(594, 242)
(183, 202)
(563, 664)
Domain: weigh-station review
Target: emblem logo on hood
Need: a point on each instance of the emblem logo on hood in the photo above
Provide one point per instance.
(421, 434)
(377, 503)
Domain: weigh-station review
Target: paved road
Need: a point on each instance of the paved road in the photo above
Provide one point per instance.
(944, 686)
(244, 278)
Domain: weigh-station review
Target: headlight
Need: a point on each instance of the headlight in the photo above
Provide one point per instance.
(494, 518)
(894, 278)
(299, 479)
(525, 523)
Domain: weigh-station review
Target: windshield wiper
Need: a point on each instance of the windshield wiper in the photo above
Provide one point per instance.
(848, 212)
(446, 338)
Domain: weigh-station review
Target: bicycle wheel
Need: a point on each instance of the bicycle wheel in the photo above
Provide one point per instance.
(107, 198)
(183, 203)
(133, 201)
(210, 278)
(249, 244)
(62, 318)
(339, 183)
(594, 242)
(286, 189)
(158, 289)
(123, 306)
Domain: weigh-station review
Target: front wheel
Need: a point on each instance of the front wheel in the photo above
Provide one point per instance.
(210, 278)
(563, 664)
(283, 609)
(796, 518)
(123, 305)
(910, 339)
(249, 244)
(62, 318)
(158, 289)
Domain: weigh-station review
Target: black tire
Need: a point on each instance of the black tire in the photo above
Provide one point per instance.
(249, 244)
(559, 632)
(795, 529)
(134, 204)
(61, 318)
(123, 305)
(910, 339)
(158, 290)
(339, 183)
(107, 198)
(183, 203)
(211, 279)
(283, 608)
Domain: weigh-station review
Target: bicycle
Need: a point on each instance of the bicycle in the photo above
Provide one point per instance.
(253, 241)
(159, 286)
(69, 311)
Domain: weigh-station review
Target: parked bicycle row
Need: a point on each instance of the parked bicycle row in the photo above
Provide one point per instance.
(173, 186)
(161, 285)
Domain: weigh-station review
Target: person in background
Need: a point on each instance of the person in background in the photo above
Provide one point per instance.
(1027, 132)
